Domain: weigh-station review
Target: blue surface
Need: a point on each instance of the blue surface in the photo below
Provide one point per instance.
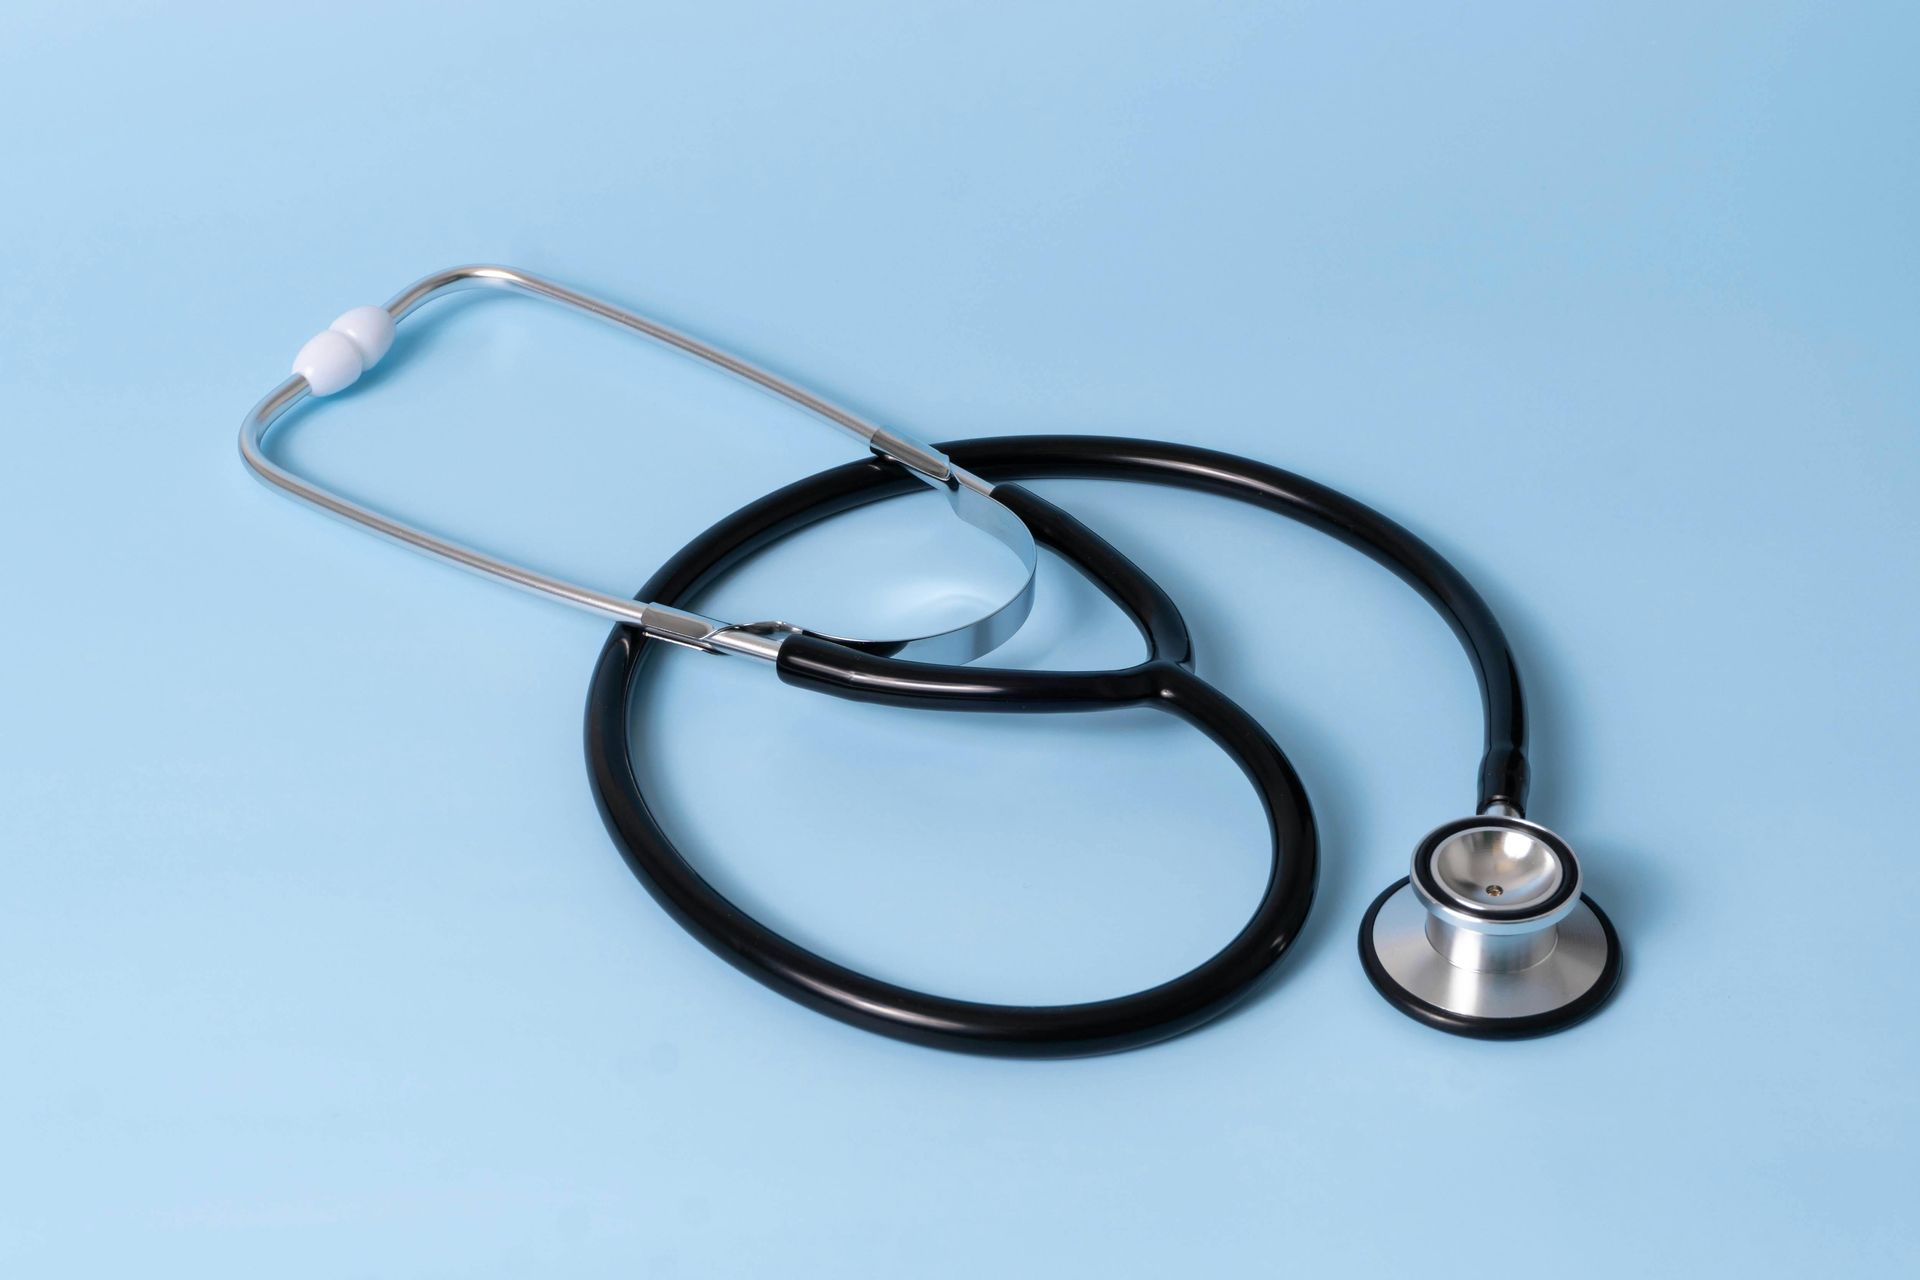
(314, 958)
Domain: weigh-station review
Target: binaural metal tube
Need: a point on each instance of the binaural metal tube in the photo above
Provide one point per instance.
(463, 279)
(673, 625)
(970, 497)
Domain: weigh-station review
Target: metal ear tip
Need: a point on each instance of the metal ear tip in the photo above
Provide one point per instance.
(1490, 935)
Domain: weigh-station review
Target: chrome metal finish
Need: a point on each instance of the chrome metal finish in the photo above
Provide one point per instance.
(1490, 924)
(969, 496)
(1501, 877)
(1490, 952)
(1497, 867)
(1566, 972)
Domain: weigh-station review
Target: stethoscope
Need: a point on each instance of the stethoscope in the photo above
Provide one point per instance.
(1488, 935)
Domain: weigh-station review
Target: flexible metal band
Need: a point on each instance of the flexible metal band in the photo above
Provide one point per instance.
(969, 497)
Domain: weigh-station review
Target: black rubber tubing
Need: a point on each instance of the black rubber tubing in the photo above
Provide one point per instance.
(1164, 680)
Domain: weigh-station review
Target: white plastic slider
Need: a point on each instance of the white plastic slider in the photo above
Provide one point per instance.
(334, 360)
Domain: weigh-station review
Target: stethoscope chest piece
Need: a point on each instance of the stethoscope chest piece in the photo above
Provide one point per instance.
(1490, 935)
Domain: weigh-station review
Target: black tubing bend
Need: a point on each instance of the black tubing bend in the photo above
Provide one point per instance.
(1165, 680)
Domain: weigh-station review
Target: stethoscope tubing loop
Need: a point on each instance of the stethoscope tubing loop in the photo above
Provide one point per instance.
(1165, 680)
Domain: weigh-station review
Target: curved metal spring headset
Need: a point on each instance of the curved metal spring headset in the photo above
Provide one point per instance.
(970, 497)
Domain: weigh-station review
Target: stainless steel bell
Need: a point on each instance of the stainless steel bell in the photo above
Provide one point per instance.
(1490, 935)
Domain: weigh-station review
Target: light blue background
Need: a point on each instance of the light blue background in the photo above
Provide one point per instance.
(314, 957)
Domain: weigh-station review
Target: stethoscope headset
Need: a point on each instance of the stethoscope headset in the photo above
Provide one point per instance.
(1489, 934)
